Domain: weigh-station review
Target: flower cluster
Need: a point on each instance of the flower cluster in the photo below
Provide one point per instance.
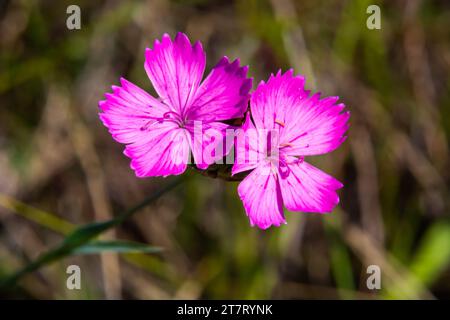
(196, 120)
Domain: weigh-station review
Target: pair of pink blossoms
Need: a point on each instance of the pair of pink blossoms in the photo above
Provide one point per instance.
(159, 133)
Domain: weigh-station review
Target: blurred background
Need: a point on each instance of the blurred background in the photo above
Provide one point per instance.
(60, 168)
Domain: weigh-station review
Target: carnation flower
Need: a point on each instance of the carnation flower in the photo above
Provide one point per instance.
(159, 132)
(292, 125)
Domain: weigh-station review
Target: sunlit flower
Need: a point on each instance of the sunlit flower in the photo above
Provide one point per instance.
(159, 132)
(294, 125)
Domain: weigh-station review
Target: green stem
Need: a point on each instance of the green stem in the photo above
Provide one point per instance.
(218, 171)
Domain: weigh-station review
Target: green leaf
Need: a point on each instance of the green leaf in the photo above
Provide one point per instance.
(87, 232)
(83, 235)
(74, 240)
(115, 246)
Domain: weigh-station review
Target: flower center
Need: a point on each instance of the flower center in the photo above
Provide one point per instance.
(169, 116)
(174, 117)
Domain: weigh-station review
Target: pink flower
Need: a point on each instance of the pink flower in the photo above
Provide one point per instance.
(293, 125)
(159, 133)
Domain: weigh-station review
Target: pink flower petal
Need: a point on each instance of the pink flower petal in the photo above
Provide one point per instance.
(224, 94)
(260, 193)
(175, 70)
(306, 188)
(133, 117)
(127, 110)
(163, 151)
(270, 101)
(316, 126)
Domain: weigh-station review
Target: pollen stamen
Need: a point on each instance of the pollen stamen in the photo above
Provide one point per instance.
(281, 123)
(286, 144)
